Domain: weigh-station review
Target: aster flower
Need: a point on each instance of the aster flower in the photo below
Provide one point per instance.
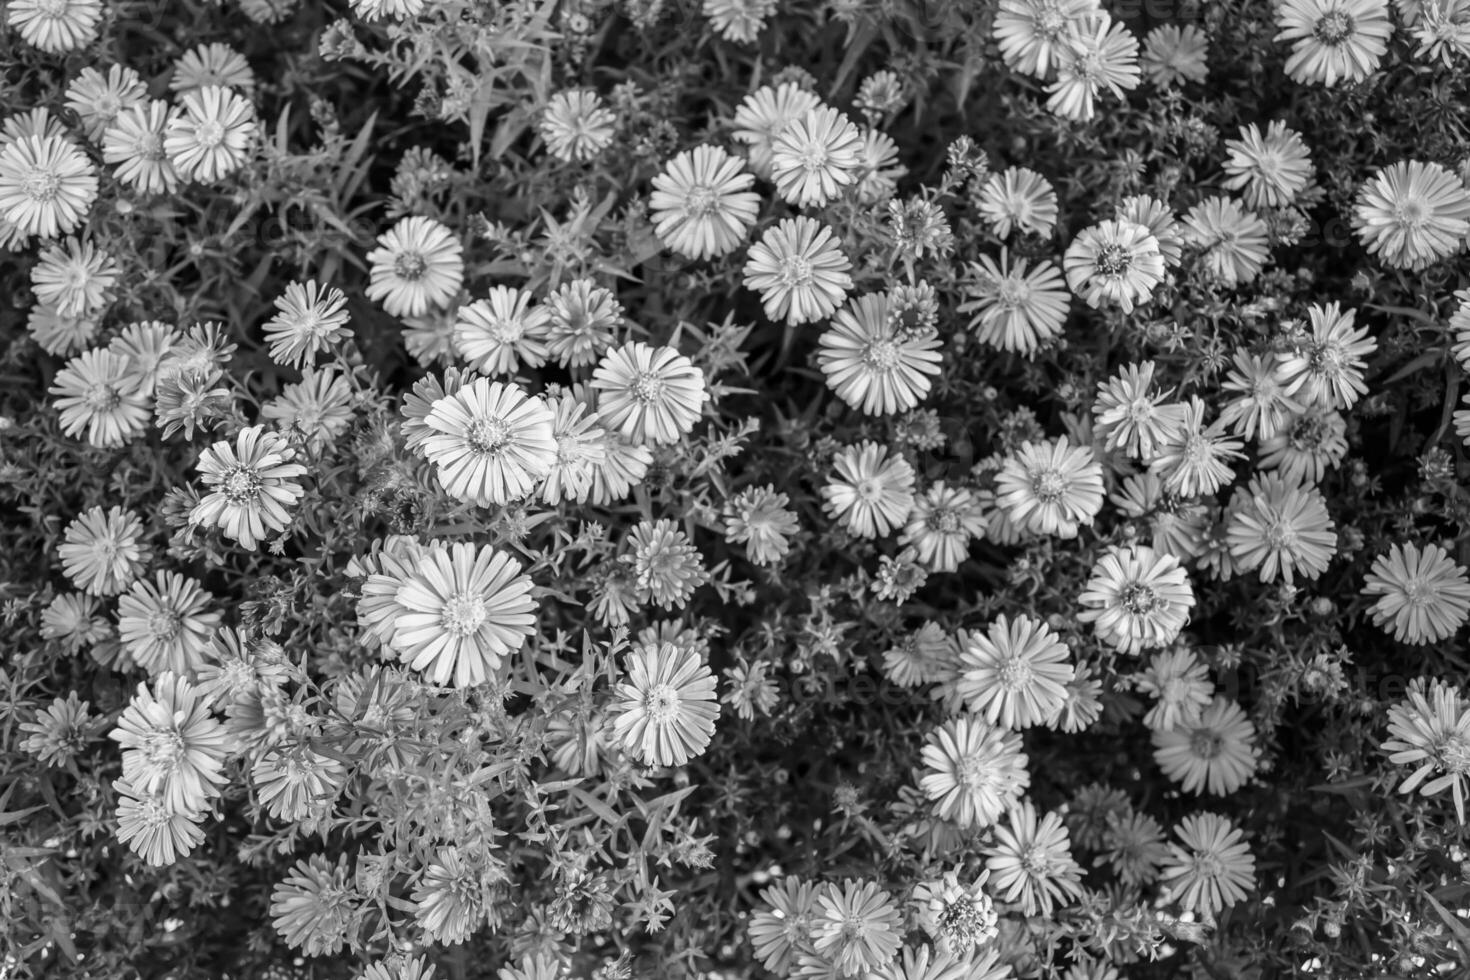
(57, 334)
(98, 98)
(701, 204)
(784, 924)
(315, 908)
(374, 10)
(871, 493)
(1310, 444)
(1214, 750)
(1333, 40)
(583, 318)
(134, 147)
(163, 624)
(740, 21)
(878, 171)
(1050, 487)
(1193, 460)
(1177, 526)
(759, 518)
(1173, 55)
(1423, 594)
(309, 318)
(1430, 730)
(419, 402)
(1100, 54)
(1412, 214)
(1130, 416)
(973, 772)
(815, 156)
(74, 278)
(1133, 845)
(1158, 218)
(1031, 862)
(624, 465)
(958, 918)
(941, 525)
(1035, 35)
(1269, 170)
(799, 270)
(146, 344)
(72, 620)
(96, 392)
(1018, 199)
(1180, 686)
(171, 744)
(429, 336)
(318, 408)
(153, 830)
(1136, 598)
(1014, 309)
(1232, 241)
(502, 332)
(491, 443)
(581, 449)
(667, 567)
(1443, 31)
(59, 731)
(55, 26)
(664, 713)
(764, 114)
(872, 364)
(1213, 869)
(576, 125)
(649, 394)
(254, 485)
(1260, 404)
(856, 926)
(1015, 674)
(212, 64)
(1114, 261)
(47, 185)
(102, 551)
(210, 137)
(417, 265)
(297, 783)
(1326, 369)
(919, 658)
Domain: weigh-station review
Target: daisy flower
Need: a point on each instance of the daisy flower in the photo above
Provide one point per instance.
(764, 114)
(941, 526)
(1214, 750)
(664, 713)
(799, 270)
(1177, 527)
(1173, 55)
(163, 624)
(1326, 369)
(1114, 261)
(1136, 599)
(1018, 199)
(702, 205)
(1050, 487)
(60, 731)
(374, 10)
(1423, 594)
(1014, 309)
(464, 609)
(102, 551)
(417, 265)
(212, 64)
(624, 465)
(759, 518)
(919, 658)
(649, 394)
(1133, 845)
(1269, 170)
(1158, 218)
(1015, 674)
(254, 485)
(171, 744)
(973, 772)
(499, 333)
(1443, 31)
(1333, 40)
(318, 407)
(57, 334)
(72, 620)
(815, 156)
(1259, 404)
(133, 145)
(1130, 416)
(419, 402)
(784, 924)
(1232, 241)
(74, 278)
(856, 926)
(958, 918)
(872, 364)
(581, 449)
(429, 336)
(576, 125)
(667, 567)
(1193, 459)
(98, 393)
(55, 26)
(210, 137)
(296, 783)
(315, 907)
(740, 21)
(153, 830)
(1214, 869)
(1312, 443)
(1431, 730)
(1101, 54)
(871, 492)
(1180, 686)
(309, 318)
(47, 185)
(491, 443)
(1035, 35)
(879, 170)
(583, 316)
(1031, 862)
(1281, 527)
(1412, 214)
(98, 98)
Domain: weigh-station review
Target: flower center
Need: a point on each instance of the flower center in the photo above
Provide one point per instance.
(965, 921)
(464, 614)
(1454, 756)
(241, 484)
(1209, 866)
(1410, 213)
(163, 749)
(41, 185)
(972, 773)
(1036, 861)
(661, 702)
(1113, 261)
(1048, 485)
(1139, 599)
(52, 8)
(1333, 28)
(163, 624)
(488, 436)
(647, 388)
(701, 201)
(795, 271)
(1012, 293)
(209, 134)
(869, 490)
(409, 265)
(944, 521)
(1307, 433)
(1050, 22)
(881, 356)
(1206, 744)
(1015, 674)
(813, 157)
(101, 398)
(1174, 690)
